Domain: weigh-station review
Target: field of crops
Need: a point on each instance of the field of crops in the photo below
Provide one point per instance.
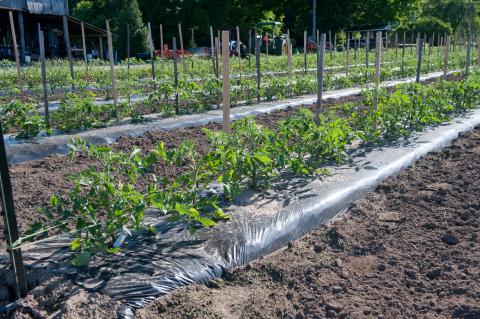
(77, 103)
(82, 213)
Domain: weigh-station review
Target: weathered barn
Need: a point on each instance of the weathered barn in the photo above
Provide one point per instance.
(28, 14)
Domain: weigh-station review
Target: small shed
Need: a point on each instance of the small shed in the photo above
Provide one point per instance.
(49, 15)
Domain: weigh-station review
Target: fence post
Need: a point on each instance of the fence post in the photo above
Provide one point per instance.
(419, 61)
(321, 39)
(41, 42)
(175, 74)
(378, 58)
(447, 51)
(10, 222)
(112, 72)
(15, 50)
(226, 79)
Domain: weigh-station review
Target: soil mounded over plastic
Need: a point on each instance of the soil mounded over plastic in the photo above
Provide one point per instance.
(411, 249)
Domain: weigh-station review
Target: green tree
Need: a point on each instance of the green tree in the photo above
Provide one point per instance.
(120, 13)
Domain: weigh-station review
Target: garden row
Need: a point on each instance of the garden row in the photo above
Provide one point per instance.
(107, 201)
(58, 73)
(80, 111)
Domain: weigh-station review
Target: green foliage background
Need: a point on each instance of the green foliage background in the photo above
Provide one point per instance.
(413, 15)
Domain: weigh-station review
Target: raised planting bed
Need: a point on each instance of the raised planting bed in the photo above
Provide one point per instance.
(287, 193)
(409, 249)
(20, 151)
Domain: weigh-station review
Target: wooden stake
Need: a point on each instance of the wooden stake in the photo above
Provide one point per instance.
(21, 30)
(66, 36)
(320, 70)
(411, 42)
(289, 59)
(161, 41)
(239, 53)
(257, 63)
(329, 43)
(152, 54)
(212, 48)
(217, 52)
(403, 53)
(367, 52)
(478, 51)
(367, 48)
(305, 35)
(84, 46)
(396, 45)
(175, 74)
(226, 80)
(41, 42)
(10, 222)
(469, 51)
(419, 61)
(112, 72)
(378, 58)
(182, 49)
(347, 57)
(100, 40)
(447, 51)
(15, 50)
(429, 54)
(267, 42)
(128, 47)
(249, 47)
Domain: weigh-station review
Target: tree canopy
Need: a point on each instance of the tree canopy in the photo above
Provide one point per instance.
(196, 16)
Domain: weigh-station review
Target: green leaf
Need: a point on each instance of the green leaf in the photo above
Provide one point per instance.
(264, 159)
(82, 259)
(76, 244)
(54, 200)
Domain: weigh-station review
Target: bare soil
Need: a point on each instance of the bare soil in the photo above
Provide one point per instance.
(411, 249)
(408, 250)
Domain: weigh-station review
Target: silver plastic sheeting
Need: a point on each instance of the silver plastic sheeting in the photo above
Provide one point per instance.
(151, 266)
(21, 151)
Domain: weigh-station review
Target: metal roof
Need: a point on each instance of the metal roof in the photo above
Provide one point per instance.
(51, 7)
